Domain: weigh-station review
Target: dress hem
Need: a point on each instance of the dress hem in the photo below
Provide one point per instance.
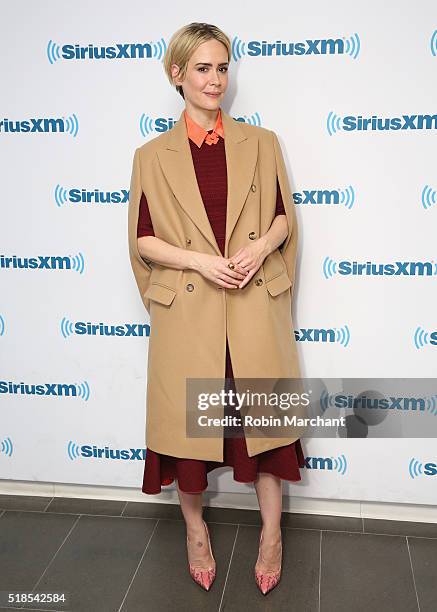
(167, 483)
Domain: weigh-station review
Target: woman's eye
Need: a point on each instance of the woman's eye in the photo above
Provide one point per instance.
(225, 68)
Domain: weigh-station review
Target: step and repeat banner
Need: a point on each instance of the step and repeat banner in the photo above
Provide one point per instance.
(352, 94)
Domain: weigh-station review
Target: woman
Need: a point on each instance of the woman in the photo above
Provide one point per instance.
(213, 252)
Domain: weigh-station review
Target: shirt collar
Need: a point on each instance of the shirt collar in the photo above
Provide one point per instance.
(197, 133)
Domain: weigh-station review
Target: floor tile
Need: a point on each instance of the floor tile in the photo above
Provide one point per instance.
(24, 502)
(320, 521)
(153, 510)
(97, 562)
(108, 507)
(366, 572)
(424, 559)
(403, 528)
(28, 541)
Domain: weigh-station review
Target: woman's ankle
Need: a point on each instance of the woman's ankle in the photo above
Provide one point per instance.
(271, 532)
(195, 527)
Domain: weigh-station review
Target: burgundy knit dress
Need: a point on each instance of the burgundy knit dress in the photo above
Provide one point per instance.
(284, 462)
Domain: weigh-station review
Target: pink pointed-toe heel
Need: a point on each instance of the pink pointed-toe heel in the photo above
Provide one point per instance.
(203, 577)
(266, 581)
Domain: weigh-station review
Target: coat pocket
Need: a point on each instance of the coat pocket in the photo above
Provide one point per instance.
(160, 293)
(278, 284)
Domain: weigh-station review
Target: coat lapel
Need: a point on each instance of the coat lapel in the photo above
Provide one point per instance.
(177, 165)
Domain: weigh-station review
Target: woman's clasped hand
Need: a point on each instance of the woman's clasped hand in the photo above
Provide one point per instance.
(244, 264)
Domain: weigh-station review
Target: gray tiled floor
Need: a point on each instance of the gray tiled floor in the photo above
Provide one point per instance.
(116, 556)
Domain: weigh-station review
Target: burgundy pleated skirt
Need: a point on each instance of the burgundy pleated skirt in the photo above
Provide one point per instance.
(191, 474)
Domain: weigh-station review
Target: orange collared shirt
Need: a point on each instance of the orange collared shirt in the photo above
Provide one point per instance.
(198, 134)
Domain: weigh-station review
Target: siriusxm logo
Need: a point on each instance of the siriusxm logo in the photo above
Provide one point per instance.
(44, 262)
(398, 268)
(338, 464)
(416, 468)
(7, 447)
(88, 451)
(155, 50)
(80, 328)
(149, 125)
(353, 123)
(324, 46)
(421, 337)
(159, 124)
(69, 125)
(433, 43)
(79, 390)
(429, 197)
(343, 197)
(84, 196)
(339, 335)
(346, 197)
(352, 402)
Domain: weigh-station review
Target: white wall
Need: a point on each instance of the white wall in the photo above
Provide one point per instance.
(390, 74)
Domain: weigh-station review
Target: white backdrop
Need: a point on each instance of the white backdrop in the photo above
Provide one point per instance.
(67, 393)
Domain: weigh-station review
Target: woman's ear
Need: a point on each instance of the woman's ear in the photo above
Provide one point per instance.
(174, 72)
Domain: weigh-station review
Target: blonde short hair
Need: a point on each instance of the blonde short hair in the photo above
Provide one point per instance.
(184, 43)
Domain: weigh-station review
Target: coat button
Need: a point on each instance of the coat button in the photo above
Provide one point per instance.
(259, 282)
(253, 187)
(188, 241)
(190, 287)
(252, 235)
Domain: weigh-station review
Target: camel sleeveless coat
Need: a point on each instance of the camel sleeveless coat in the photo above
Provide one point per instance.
(189, 315)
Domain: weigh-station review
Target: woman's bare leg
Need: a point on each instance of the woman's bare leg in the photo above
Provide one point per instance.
(198, 549)
(269, 492)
